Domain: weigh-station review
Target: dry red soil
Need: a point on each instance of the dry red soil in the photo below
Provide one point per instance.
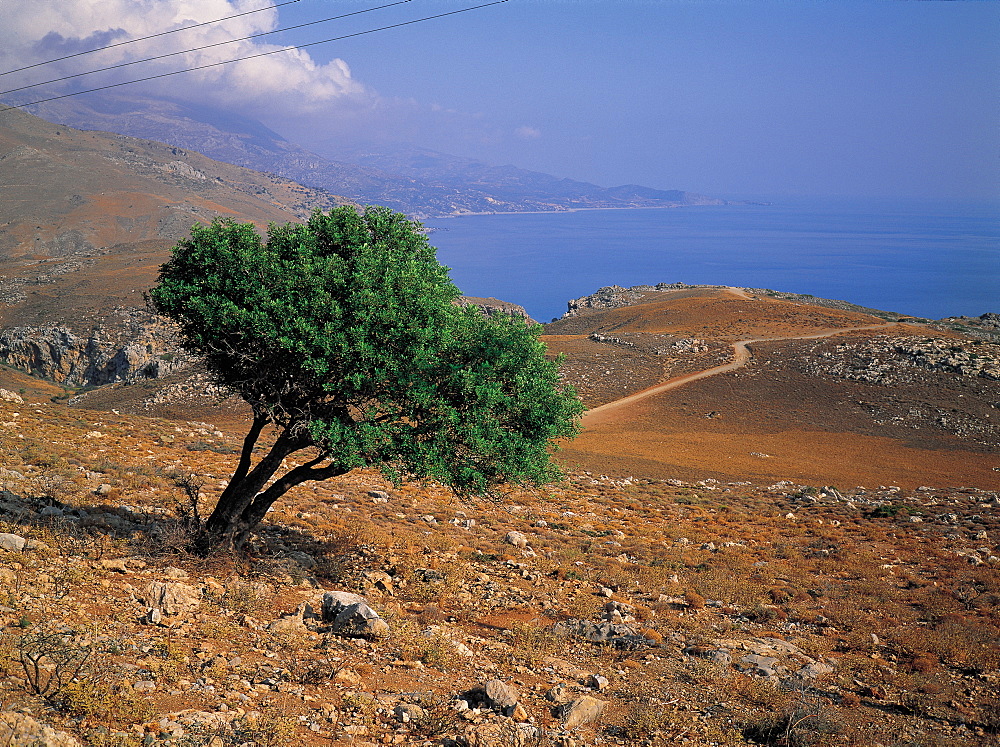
(762, 417)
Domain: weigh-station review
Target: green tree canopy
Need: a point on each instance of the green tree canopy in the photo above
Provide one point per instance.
(342, 333)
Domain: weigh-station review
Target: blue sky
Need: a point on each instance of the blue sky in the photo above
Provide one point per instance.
(894, 98)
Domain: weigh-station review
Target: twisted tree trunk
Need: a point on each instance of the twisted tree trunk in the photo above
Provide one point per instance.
(246, 500)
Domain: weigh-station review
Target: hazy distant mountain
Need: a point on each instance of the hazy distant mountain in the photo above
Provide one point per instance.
(419, 182)
(511, 183)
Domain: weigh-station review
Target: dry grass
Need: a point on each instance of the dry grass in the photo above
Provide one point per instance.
(909, 624)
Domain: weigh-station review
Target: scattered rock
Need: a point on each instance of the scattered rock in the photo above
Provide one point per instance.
(407, 712)
(618, 635)
(19, 730)
(350, 615)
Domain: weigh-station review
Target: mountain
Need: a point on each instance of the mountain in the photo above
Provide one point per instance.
(420, 182)
(107, 208)
(88, 218)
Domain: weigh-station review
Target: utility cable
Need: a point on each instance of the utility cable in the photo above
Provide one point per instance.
(151, 36)
(198, 49)
(260, 54)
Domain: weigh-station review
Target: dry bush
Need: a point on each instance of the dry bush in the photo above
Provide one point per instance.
(265, 728)
(243, 597)
(694, 600)
(430, 646)
(804, 723)
(641, 719)
(531, 644)
(49, 658)
(437, 718)
(102, 696)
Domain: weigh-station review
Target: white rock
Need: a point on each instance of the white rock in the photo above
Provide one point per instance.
(172, 598)
(584, 710)
(517, 539)
(13, 542)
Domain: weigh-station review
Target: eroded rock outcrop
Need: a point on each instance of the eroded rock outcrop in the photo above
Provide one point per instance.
(131, 345)
(615, 296)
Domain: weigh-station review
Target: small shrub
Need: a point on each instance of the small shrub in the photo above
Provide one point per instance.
(803, 725)
(264, 729)
(694, 600)
(50, 659)
(532, 644)
(243, 597)
(100, 698)
(438, 718)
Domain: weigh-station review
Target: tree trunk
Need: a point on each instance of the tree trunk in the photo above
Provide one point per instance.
(245, 484)
(245, 501)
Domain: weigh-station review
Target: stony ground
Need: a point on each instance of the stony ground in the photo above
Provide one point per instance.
(597, 611)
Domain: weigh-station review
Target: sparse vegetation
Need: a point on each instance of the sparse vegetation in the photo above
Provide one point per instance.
(706, 612)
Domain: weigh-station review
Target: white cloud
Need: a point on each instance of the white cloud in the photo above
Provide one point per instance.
(45, 29)
(528, 133)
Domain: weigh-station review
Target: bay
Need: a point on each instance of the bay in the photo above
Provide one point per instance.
(926, 259)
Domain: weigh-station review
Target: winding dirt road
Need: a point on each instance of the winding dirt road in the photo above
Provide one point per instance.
(741, 356)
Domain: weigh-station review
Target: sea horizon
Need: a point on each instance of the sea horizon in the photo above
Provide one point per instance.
(916, 256)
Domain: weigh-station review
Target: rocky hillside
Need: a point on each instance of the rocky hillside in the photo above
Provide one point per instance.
(128, 345)
(73, 193)
(599, 611)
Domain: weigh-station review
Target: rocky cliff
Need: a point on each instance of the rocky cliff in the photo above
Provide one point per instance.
(130, 345)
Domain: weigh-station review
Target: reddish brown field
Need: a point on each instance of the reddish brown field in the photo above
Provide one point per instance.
(769, 419)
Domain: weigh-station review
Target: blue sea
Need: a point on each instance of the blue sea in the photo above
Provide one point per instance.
(927, 259)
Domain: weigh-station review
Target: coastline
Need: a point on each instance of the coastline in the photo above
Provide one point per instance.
(897, 255)
(561, 211)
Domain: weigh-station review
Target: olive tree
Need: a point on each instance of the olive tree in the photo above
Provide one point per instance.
(343, 336)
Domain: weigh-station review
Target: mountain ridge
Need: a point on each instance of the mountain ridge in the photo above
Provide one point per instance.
(390, 177)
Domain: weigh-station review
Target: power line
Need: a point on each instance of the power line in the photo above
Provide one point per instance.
(198, 49)
(254, 56)
(151, 36)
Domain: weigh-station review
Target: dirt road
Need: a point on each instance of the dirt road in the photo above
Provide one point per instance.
(741, 356)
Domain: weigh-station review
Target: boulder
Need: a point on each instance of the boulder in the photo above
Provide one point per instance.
(815, 670)
(13, 542)
(517, 539)
(583, 710)
(495, 694)
(19, 730)
(764, 666)
(172, 598)
(350, 615)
